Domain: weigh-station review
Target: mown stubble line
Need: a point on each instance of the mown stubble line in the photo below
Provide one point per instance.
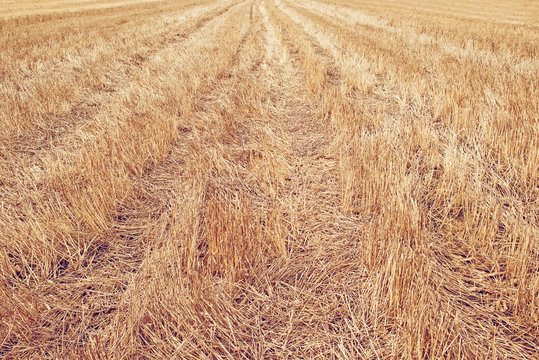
(270, 179)
(120, 242)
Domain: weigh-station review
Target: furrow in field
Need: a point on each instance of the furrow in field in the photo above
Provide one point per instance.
(345, 274)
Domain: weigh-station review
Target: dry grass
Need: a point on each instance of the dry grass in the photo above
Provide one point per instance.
(269, 179)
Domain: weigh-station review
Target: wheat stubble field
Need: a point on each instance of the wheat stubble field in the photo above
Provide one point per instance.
(275, 179)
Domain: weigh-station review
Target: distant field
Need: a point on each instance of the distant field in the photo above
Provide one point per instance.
(276, 179)
(15, 8)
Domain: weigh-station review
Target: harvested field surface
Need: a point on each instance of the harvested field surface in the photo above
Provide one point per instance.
(273, 179)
